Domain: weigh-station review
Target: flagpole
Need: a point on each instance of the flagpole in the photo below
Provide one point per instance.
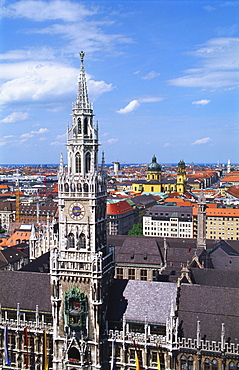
(6, 351)
(112, 355)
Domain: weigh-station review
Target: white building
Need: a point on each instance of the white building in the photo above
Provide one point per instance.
(168, 221)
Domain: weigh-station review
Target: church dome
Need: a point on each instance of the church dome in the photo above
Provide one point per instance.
(154, 166)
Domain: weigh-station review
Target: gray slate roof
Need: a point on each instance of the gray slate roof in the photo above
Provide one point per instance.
(149, 301)
(26, 288)
(141, 300)
(212, 306)
(214, 277)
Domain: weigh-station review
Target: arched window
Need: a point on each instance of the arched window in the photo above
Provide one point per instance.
(73, 355)
(78, 163)
(207, 364)
(86, 188)
(231, 365)
(71, 240)
(214, 364)
(79, 126)
(87, 162)
(79, 188)
(66, 188)
(85, 126)
(190, 363)
(82, 241)
(183, 363)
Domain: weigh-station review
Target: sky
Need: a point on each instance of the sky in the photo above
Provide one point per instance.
(162, 76)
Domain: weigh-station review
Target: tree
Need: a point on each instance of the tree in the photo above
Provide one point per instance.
(137, 229)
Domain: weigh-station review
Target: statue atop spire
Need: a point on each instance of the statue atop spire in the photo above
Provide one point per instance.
(82, 55)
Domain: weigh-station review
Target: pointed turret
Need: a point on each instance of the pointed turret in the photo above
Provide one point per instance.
(201, 227)
(82, 101)
(61, 166)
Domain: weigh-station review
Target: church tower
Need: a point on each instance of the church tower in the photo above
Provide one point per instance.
(82, 264)
(154, 170)
(181, 178)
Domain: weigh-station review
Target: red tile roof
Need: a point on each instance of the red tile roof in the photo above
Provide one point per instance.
(118, 208)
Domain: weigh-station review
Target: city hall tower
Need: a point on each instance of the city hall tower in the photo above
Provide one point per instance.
(82, 264)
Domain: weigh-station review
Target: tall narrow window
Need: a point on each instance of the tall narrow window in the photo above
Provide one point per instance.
(82, 241)
(214, 364)
(78, 163)
(71, 240)
(79, 126)
(183, 362)
(190, 363)
(207, 364)
(87, 162)
(85, 126)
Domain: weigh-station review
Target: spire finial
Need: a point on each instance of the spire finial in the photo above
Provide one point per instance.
(82, 55)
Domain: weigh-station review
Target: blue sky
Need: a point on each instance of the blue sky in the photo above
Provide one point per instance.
(162, 76)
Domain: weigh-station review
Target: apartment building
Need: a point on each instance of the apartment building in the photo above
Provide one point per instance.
(169, 221)
(222, 223)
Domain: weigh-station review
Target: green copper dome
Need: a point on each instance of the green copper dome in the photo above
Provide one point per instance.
(154, 166)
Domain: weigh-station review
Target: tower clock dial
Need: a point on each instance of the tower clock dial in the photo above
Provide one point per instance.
(76, 211)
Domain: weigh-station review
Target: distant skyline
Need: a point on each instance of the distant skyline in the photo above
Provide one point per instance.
(162, 75)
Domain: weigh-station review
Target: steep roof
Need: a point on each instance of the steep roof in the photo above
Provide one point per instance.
(40, 264)
(141, 300)
(120, 207)
(212, 306)
(215, 277)
(233, 190)
(26, 288)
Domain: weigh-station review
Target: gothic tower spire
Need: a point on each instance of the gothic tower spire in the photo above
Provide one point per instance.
(82, 100)
(82, 264)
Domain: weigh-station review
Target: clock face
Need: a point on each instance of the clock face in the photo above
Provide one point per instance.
(76, 211)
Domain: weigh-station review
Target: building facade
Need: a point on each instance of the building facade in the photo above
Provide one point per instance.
(168, 221)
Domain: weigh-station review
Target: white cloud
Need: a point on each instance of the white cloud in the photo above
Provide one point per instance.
(26, 136)
(3, 143)
(61, 137)
(134, 104)
(56, 143)
(34, 53)
(40, 131)
(42, 81)
(112, 141)
(219, 65)
(15, 117)
(201, 102)
(209, 8)
(150, 99)
(37, 10)
(166, 144)
(30, 135)
(205, 140)
(8, 136)
(151, 75)
(96, 88)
